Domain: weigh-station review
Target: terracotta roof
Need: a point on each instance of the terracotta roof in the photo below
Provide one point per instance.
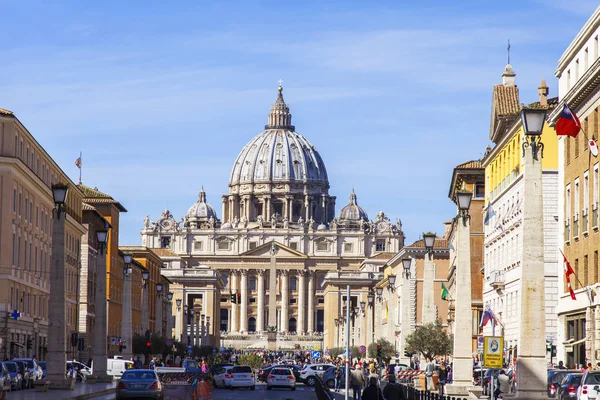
(507, 100)
(4, 111)
(95, 196)
(164, 252)
(382, 256)
(475, 164)
(438, 244)
(87, 207)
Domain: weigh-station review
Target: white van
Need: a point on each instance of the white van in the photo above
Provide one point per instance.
(116, 367)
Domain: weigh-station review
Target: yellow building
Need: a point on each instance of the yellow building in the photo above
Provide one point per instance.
(27, 173)
(503, 218)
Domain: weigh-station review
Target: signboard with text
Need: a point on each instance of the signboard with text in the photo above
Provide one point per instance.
(493, 351)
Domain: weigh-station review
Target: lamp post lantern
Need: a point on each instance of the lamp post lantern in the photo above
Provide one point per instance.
(406, 266)
(428, 311)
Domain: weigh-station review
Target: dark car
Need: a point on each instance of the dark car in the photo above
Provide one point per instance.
(27, 382)
(138, 384)
(568, 386)
(263, 373)
(555, 377)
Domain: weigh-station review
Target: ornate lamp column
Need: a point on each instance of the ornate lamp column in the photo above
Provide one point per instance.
(159, 309)
(428, 313)
(370, 333)
(178, 322)
(531, 357)
(405, 316)
(126, 328)
(145, 316)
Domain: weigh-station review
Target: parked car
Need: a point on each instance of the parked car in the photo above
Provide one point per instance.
(27, 381)
(568, 386)
(16, 379)
(590, 386)
(139, 383)
(308, 373)
(4, 376)
(555, 377)
(281, 377)
(264, 372)
(222, 376)
(35, 372)
(242, 376)
(42, 365)
(190, 365)
(115, 367)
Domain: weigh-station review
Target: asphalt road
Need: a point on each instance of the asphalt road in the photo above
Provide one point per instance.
(302, 392)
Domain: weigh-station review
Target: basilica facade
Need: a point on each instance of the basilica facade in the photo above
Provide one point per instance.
(262, 264)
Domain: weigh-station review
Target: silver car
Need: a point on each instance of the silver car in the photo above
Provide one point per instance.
(139, 384)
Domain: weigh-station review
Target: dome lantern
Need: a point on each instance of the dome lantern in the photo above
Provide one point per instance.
(280, 117)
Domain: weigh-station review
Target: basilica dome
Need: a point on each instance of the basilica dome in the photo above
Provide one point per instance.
(201, 210)
(279, 154)
(352, 211)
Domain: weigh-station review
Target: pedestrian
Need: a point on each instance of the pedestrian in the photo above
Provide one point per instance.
(561, 365)
(357, 382)
(393, 391)
(429, 370)
(442, 378)
(203, 389)
(372, 392)
(503, 384)
(152, 363)
(204, 367)
(337, 374)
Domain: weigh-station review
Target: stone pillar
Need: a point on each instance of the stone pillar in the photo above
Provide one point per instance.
(369, 332)
(290, 205)
(260, 286)
(311, 300)
(197, 316)
(234, 309)
(596, 342)
(463, 320)
(126, 328)
(145, 313)
(244, 305)
(392, 304)
(428, 311)
(284, 300)
(158, 313)
(306, 208)
(301, 301)
(224, 207)
(57, 336)
(99, 345)
(531, 360)
(273, 288)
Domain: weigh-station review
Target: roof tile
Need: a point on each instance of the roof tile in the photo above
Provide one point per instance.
(163, 252)
(507, 100)
(438, 244)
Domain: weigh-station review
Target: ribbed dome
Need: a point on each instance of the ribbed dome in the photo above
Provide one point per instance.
(201, 209)
(352, 211)
(279, 154)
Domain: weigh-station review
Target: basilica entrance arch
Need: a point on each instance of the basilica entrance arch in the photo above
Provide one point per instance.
(292, 324)
(251, 324)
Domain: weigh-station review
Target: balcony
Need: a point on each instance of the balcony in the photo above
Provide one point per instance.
(496, 280)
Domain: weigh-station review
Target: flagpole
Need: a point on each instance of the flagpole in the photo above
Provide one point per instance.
(80, 165)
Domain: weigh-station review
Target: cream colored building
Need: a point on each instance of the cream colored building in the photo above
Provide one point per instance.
(27, 173)
(278, 202)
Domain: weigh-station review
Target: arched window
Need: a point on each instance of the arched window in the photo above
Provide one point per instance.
(251, 324)
(292, 325)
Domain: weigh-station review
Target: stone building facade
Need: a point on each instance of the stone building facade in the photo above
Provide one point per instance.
(278, 239)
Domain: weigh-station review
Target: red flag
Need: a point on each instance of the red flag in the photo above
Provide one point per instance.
(568, 124)
(568, 271)
(78, 162)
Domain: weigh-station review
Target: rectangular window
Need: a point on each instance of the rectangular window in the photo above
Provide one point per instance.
(293, 284)
(320, 300)
(224, 299)
(586, 198)
(252, 284)
(380, 245)
(595, 190)
(347, 247)
(198, 246)
(37, 216)
(14, 248)
(253, 300)
(576, 143)
(322, 246)
(576, 69)
(575, 282)
(292, 301)
(20, 202)
(252, 245)
(294, 245)
(223, 245)
(480, 190)
(585, 59)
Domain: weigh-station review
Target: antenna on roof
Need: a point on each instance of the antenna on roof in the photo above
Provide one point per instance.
(508, 51)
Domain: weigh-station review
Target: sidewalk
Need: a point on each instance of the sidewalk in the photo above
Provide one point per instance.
(82, 391)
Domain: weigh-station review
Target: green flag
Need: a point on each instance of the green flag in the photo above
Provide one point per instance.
(445, 292)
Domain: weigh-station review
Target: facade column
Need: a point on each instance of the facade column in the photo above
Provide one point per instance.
(405, 320)
(311, 301)
(369, 332)
(301, 302)
(126, 328)
(463, 320)
(306, 208)
(273, 287)
(290, 204)
(197, 316)
(234, 309)
(428, 310)
(260, 315)
(244, 305)
(224, 207)
(531, 358)
(393, 301)
(284, 300)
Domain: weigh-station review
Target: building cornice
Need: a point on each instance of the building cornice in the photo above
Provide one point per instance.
(577, 44)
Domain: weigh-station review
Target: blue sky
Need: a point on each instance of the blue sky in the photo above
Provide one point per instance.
(393, 94)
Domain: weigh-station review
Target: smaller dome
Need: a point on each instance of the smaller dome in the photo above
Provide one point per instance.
(322, 227)
(227, 225)
(352, 211)
(201, 209)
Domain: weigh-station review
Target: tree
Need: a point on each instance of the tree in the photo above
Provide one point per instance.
(336, 351)
(387, 349)
(431, 340)
(253, 360)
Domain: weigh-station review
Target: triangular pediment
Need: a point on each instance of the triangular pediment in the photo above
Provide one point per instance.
(282, 251)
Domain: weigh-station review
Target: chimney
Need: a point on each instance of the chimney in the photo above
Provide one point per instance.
(543, 91)
(508, 76)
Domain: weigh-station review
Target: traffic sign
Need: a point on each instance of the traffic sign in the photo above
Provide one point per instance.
(214, 351)
(169, 342)
(189, 350)
(350, 352)
(316, 347)
(492, 351)
(363, 350)
(316, 354)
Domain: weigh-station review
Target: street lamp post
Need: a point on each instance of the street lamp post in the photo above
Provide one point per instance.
(158, 310)
(169, 332)
(57, 357)
(531, 358)
(126, 328)
(100, 342)
(463, 352)
(406, 327)
(145, 316)
(428, 277)
(178, 321)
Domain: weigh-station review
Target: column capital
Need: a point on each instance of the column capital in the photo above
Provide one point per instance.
(301, 272)
(260, 272)
(243, 272)
(283, 272)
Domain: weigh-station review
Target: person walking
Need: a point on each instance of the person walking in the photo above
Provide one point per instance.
(503, 384)
(357, 382)
(442, 378)
(429, 370)
(337, 374)
(393, 391)
(372, 392)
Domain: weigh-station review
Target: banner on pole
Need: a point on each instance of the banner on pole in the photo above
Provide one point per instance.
(493, 347)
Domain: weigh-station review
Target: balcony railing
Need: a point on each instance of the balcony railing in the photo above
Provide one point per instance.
(496, 279)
